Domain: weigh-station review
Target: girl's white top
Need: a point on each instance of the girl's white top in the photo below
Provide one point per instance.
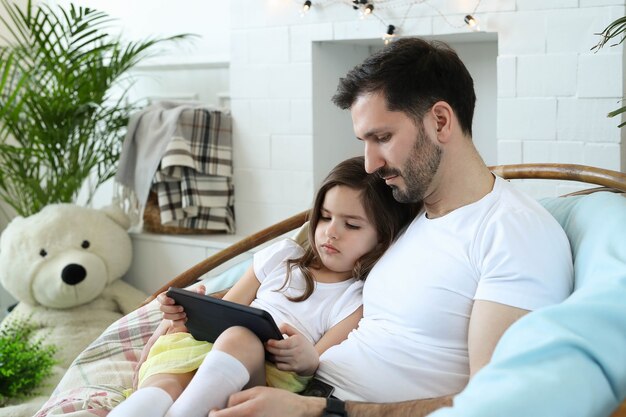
(329, 304)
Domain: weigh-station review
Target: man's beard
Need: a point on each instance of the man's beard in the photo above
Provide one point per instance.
(418, 171)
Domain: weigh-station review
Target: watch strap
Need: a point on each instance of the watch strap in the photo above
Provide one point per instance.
(335, 408)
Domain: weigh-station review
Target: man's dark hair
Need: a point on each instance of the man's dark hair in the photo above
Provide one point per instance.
(413, 74)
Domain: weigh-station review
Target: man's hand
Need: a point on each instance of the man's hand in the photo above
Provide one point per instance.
(270, 402)
(295, 353)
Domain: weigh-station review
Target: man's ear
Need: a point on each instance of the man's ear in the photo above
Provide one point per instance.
(443, 116)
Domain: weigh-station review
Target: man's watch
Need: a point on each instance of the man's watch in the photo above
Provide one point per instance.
(335, 408)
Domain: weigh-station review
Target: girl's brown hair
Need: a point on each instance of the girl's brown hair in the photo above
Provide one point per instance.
(386, 214)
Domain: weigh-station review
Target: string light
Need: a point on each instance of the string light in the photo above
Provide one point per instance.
(390, 35)
(472, 23)
(374, 8)
(367, 11)
(305, 8)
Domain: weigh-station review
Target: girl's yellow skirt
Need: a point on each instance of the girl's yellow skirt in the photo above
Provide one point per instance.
(179, 353)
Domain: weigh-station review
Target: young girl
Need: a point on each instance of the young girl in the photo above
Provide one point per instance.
(313, 293)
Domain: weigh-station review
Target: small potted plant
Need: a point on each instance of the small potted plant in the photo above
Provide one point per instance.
(24, 363)
(61, 119)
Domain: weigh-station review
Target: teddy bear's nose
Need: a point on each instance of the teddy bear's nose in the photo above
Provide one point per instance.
(72, 274)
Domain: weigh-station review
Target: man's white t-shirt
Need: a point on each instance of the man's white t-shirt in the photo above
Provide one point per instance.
(412, 340)
(329, 303)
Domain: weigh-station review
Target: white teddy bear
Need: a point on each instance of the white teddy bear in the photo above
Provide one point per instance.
(64, 266)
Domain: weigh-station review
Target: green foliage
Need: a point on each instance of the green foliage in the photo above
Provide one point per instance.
(59, 119)
(24, 363)
(614, 32)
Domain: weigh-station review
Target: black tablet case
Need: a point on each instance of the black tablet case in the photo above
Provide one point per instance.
(208, 317)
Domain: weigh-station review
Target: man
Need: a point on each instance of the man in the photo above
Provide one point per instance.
(480, 256)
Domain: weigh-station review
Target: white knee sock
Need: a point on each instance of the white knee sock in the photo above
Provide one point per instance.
(219, 376)
(148, 401)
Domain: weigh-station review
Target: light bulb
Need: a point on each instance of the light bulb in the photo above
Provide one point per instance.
(390, 35)
(305, 8)
(471, 22)
(368, 9)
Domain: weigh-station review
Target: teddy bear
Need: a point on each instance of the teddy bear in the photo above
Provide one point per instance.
(64, 265)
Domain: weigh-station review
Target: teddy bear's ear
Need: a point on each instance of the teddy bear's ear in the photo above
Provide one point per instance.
(13, 223)
(117, 215)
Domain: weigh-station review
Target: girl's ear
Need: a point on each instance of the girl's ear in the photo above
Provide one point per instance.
(443, 115)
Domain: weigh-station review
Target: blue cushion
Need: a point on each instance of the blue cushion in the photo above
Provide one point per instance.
(227, 278)
(568, 359)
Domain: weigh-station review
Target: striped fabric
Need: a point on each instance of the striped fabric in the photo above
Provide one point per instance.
(98, 377)
(194, 180)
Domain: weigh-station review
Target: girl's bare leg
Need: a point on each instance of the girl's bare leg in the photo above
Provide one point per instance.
(173, 384)
(155, 397)
(236, 360)
(244, 346)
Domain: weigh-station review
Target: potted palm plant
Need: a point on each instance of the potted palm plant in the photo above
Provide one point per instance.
(63, 101)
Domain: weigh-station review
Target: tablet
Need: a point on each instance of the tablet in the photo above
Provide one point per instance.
(208, 317)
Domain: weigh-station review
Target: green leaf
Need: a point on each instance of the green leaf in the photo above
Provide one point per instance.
(615, 31)
(25, 361)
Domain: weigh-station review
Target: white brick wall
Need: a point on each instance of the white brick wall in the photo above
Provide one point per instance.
(545, 5)
(520, 33)
(509, 152)
(553, 92)
(600, 75)
(507, 76)
(583, 119)
(527, 118)
(558, 75)
(292, 153)
(605, 155)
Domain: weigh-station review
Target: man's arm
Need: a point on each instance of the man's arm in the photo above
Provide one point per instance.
(488, 322)
(264, 401)
(414, 408)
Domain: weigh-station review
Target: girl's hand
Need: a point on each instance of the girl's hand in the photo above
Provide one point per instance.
(174, 319)
(160, 330)
(171, 310)
(295, 353)
(174, 312)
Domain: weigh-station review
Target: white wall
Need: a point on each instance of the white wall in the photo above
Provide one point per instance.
(139, 19)
(551, 96)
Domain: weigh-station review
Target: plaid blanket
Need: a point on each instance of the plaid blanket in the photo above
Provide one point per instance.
(194, 179)
(97, 378)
